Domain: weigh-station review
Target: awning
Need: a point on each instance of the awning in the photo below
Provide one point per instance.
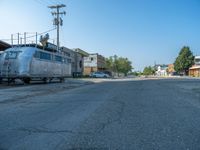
(195, 67)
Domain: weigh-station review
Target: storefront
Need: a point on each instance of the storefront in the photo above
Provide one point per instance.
(194, 71)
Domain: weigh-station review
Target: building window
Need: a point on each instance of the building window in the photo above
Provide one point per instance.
(80, 64)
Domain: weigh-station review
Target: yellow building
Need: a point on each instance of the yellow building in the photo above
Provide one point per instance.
(170, 69)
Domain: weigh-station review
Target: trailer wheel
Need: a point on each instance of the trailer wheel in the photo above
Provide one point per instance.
(50, 79)
(27, 80)
(47, 80)
(62, 80)
(9, 80)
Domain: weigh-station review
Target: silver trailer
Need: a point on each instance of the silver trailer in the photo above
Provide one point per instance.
(32, 63)
(1, 55)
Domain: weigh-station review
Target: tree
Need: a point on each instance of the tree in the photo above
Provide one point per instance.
(123, 65)
(148, 70)
(184, 60)
(110, 63)
(136, 73)
(118, 64)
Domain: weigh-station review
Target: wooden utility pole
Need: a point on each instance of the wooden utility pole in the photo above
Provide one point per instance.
(57, 20)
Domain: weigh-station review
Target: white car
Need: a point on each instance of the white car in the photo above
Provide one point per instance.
(99, 75)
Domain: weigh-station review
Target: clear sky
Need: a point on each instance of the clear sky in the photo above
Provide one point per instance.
(145, 31)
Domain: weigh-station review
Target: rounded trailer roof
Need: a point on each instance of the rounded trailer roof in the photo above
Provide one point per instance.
(30, 49)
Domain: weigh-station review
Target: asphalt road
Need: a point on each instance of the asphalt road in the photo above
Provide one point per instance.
(117, 115)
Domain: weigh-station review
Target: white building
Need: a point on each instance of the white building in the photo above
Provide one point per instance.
(161, 70)
(94, 62)
(77, 60)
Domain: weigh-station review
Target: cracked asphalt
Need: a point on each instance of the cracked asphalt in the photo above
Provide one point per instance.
(150, 114)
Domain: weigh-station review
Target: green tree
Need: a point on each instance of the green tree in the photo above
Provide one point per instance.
(136, 73)
(110, 63)
(149, 71)
(184, 60)
(118, 64)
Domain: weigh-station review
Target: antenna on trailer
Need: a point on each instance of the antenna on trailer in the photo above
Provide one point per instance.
(58, 20)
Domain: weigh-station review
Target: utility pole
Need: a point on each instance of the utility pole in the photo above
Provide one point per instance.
(57, 20)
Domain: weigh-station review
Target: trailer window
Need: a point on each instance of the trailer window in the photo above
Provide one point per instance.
(69, 60)
(58, 58)
(12, 54)
(42, 55)
(45, 56)
(64, 60)
(37, 54)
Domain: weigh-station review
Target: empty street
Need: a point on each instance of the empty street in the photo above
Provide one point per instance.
(159, 114)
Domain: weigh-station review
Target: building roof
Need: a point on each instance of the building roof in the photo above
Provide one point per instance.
(197, 57)
(80, 51)
(195, 67)
(4, 45)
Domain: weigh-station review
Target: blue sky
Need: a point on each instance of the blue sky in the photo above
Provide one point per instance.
(145, 31)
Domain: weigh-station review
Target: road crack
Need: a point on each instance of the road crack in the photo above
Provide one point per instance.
(49, 131)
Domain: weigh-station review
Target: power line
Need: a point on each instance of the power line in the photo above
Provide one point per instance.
(51, 2)
(29, 33)
(56, 2)
(45, 2)
(48, 2)
(47, 31)
(40, 2)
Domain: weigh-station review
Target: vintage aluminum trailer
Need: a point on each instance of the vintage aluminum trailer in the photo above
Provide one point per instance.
(32, 63)
(1, 55)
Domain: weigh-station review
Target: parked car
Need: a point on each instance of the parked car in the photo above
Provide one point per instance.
(99, 75)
